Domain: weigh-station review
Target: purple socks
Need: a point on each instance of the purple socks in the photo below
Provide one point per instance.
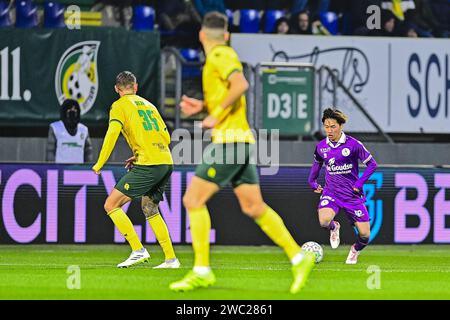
(361, 243)
(331, 226)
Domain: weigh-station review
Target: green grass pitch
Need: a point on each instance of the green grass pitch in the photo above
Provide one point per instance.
(243, 272)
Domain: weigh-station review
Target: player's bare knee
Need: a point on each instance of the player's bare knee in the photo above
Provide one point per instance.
(191, 203)
(253, 210)
(109, 206)
(187, 203)
(365, 235)
(149, 208)
(324, 223)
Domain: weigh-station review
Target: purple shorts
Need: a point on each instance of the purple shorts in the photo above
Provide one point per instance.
(356, 212)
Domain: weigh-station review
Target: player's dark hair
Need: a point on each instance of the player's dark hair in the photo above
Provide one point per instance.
(333, 113)
(125, 79)
(215, 20)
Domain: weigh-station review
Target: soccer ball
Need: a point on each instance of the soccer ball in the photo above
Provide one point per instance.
(315, 248)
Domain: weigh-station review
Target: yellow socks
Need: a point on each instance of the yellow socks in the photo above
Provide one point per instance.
(123, 223)
(161, 232)
(200, 223)
(273, 226)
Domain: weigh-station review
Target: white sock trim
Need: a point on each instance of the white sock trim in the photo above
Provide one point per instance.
(297, 258)
(202, 270)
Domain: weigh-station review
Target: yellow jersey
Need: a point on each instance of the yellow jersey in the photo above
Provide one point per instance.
(143, 128)
(220, 63)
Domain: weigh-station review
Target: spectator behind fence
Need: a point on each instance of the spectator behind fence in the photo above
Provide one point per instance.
(68, 140)
(398, 7)
(388, 26)
(281, 26)
(178, 15)
(115, 13)
(432, 16)
(205, 6)
(441, 11)
(409, 31)
(301, 25)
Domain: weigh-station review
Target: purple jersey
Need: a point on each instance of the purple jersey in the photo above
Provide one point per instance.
(341, 161)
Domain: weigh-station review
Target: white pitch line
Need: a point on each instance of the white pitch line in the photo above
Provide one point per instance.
(141, 266)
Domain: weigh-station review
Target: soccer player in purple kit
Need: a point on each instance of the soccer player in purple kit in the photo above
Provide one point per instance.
(343, 188)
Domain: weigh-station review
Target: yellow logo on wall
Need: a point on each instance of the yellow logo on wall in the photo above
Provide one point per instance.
(76, 75)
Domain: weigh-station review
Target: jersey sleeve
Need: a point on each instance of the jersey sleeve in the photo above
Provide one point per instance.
(226, 61)
(363, 154)
(116, 114)
(317, 157)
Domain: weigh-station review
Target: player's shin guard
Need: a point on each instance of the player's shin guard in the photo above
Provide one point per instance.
(126, 228)
(200, 224)
(161, 232)
(273, 226)
(361, 243)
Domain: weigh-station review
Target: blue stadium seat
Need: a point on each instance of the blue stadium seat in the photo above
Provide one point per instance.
(5, 21)
(329, 20)
(26, 14)
(345, 24)
(143, 18)
(271, 17)
(53, 15)
(249, 22)
(191, 55)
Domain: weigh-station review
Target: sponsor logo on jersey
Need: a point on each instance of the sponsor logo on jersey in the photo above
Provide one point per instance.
(342, 169)
(345, 152)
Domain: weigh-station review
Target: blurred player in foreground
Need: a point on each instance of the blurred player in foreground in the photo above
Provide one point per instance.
(343, 188)
(149, 168)
(224, 87)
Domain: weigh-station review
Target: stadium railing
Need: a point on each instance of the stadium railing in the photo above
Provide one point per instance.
(177, 77)
(173, 85)
(324, 73)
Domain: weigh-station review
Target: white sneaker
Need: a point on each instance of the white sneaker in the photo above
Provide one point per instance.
(135, 257)
(352, 257)
(334, 235)
(169, 264)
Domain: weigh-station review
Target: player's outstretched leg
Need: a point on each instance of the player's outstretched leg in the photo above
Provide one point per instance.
(272, 225)
(355, 250)
(301, 270)
(201, 276)
(302, 261)
(361, 242)
(352, 257)
(159, 227)
(197, 194)
(194, 280)
(334, 234)
(113, 209)
(136, 257)
(326, 220)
